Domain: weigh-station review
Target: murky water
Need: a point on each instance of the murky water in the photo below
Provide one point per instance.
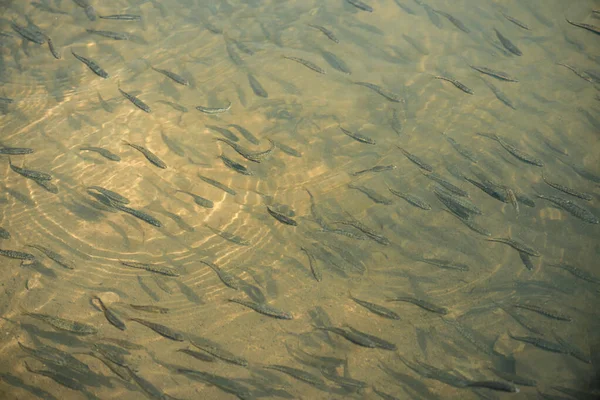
(327, 91)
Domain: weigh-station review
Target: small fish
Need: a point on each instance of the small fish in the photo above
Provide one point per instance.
(494, 385)
(360, 5)
(218, 352)
(30, 173)
(52, 49)
(421, 303)
(103, 152)
(110, 315)
(544, 312)
(54, 256)
(171, 75)
(326, 32)
(287, 149)
(91, 65)
(198, 355)
(579, 273)
(135, 101)
(229, 236)
(254, 156)
(299, 374)
(160, 329)
(150, 156)
(281, 217)
(15, 151)
(30, 34)
(218, 185)
(415, 201)
(4, 234)
(377, 168)
(176, 106)
(573, 209)
(47, 8)
(214, 110)
(245, 133)
(358, 137)
(370, 193)
(526, 259)
(312, 262)
(122, 17)
(110, 34)
(19, 255)
(508, 44)
(264, 309)
(237, 167)
(515, 21)
(540, 343)
(335, 62)
(514, 150)
(112, 196)
(416, 160)
(307, 64)
(567, 190)
(583, 75)
(455, 21)
(445, 264)
(225, 277)
(503, 76)
(149, 308)
(225, 132)
(588, 27)
(517, 245)
(152, 268)
(376, 308)
(257, 88)
(512, 198)
(455, 83)
(65, 324)
(499, 94)
(351, 336)
(381, 91)
(201, 201)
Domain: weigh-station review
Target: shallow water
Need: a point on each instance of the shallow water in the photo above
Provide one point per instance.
(60, 106)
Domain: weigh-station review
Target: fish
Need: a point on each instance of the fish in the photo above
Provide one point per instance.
(103, 152)
(377, 168)
(136, 102)
(446, 184)
(579, 273)
(370, 193)
(360, 5)
(19, 255)
(503, 76)
(588, 27)
(122, 17)
(225, 384)
(455, 21)
(517, 245)
(544, 312)
(198, 355)
(381, 91)
(312, 262)
(242, 47)
(112, 196)
(225, 132)
(30, 173)
(567, 190)
(326, 32)
(173, 76)
(4, 234)
(15, 151)
(149, 308)
(298, 374)
(150, 156)
(493, 385)
(257, 88)
(358, 137)
(457, 205)
(47, 8)
(582, 74)
(499, 94)
(264, 309)
(64, 324)
(445, 264)
(540, 343)
(508, 45)
(110, 315)
(225, 277)
(54, 256)
(416, 160)
(160, 329)
(201, 201)
(431, 14)
(229, 236)
(572, 208)
(92, 65)
(463, 151)
(421, 303)
(237, 167)
(281, 217)
(217, 351)
(376, 308)
(218, 185)
(245, 133)
(368, 231)
(52, 49)
(254, 156)
(306, 63)
(110, 34)
(214, 110)
(335, 62)
(176, 106)
(455, 83)
(159, 269)
(287, 149)
(30, 34)
(519, 154)
(415, 201)
(515, 21)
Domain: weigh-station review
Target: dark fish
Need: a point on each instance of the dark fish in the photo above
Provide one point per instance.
(245, 133)
(229, 236)
(499, 94)
(113, 196)
(30, 34)
(299, 374)
(4, 234)
(446, 184)
(225, 132)
(415, 201)
(381, 91)
(110, 315)
(370, 193)
(312, 262)
(445, 264)
(335, 62)
(214, 110)
(91, 65)
(150, 308)
(30, 173)
(358, 137)
(582, 74)
(508, 44)
(420, 163)
(515, 21)
(122, 17)
(198, 355)
(91, 13)
(237, 167)
(14, 151)
(264, 309)
(171, 75)
(281, 217)
(526, 259)
(307, 64)
(379, 342)
(201, 201)
(455, 83)
(433, 17)
(52, 49)
(54, 256)
(257, 87)
(150, 156)
(494, 385)
(19, 255)
(458, 205)
(572, 208)
(360, 5)
(514, 151)
(377, 168)
(161, 329)
(421, 303)
(255, 156)
(326, 32)
(159, 269)
(217, 351)
(225, 277)
(567, 190)
(242, 47)
(65, 324)
(455, 21)
(463, 151)
(540, 343)
(588, 27)
(218, 185)
(136, 102)
(110, 34)
(225, 384)
(517, 245)
(176, 106)
(544, 312)
(47, 8)
(376, 308)
(287, 149)
(395, 122)
(579, 273)
(503, 76)
(103, 152)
